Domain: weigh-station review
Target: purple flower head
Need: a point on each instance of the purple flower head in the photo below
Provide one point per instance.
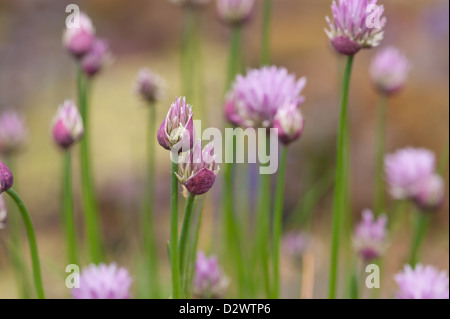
(3, 213)
(356, 25)
(290, 122)
(79, 41)
(422, 282)
(389, 70)
(6, 178)
(177, 129)
(68, 125)
(407, 169)
(190, 3)
(150, 86)
(12, 133)
(431, 193)
(96, 58)
(197, 169)
(370, 235)
(209, 279)
(255, 98)
(103, 282)
(295, 244)
(235, 12)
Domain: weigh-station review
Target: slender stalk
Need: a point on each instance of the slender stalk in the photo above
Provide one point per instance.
(379, 156)
(68, 213)
(190, 266)
(235, 51)
(31, 241)
(341, 182)
(422, 222)
(265, 46)
(184, 237)
(186, 53)
(277, 224)
(174, 233)
(89, 203)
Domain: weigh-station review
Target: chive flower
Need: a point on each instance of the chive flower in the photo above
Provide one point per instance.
(290, 122)
(235, 12)
(93, 61)
(68, 125)
(6, 178)
(150, 86)
(79, 40)
(209, 279)
(370, 235)
(12, 133)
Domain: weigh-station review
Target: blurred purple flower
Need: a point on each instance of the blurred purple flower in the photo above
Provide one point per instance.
(6, 178)
(68, 125)
(389, 70)
(3, 213)
(177, 129)
(96, 58)
(209, 279)
(407, 169)
(290, 122)
(370, 235)
(255, 98)
(354, 26)
(422, 282)
(235, 12)
(79, 41)
(149, 85)
(103, 282)
(431, 193)
(197, 169)
(12, 133)
(295, 244)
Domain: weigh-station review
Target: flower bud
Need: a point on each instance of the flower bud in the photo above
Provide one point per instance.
(95, 59)
(6, 178)
(290, 122)
(150, 86)
(68, 125)
(369, 240)
(431, 193)
(235, 12)
(12, 133)
(79, 41)
(209, 279)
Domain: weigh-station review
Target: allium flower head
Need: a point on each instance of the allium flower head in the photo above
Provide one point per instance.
(407, 169)
(6, 178)
(3, 213)
(96, 58)
(12, 133)
(255, 98)
(79, 41)
(68, 125)
(290, 122)
(209, 279)
(149, 85)
(235, 12)
(103, 282)
(422, 282)
(370, 235)
(190, 3)
(177, 129)
(355, 25)
(198, 170)
(389, 70)
(295, 244)
(431, 193)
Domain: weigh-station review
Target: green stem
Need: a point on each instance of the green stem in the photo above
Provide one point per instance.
(31, 241)
(184, 238)
(68, 213)
(190, 266)
(422, 222)
(265, 46)
(341, 182)
(92, 223)
(379, 156)
(174, 233)
(235, 51)
(277, 224)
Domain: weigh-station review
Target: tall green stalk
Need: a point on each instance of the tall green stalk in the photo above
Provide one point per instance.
(234, 58)
(278, 222)
(184, 240)
(68, 213)
(265, 46)
(31, 241)
(339, 202)
(380, 135)
(89, 203)
(176, 292)
(422, 220)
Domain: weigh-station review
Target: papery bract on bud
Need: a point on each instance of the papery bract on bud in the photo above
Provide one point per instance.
(255, 98)
(431, 193)
(295, 244)
(68, 125)
(177, 129)
(96, 58)
(235, 12)
(407, 169)
(290, 122)
(356, 25)
(197, 170)
(370, 236)
(12, 133)
(209, 279)
(389, 70)
(149, 85)
(79, 40)
(6, 178)
(422, 282)
(103, 282)
(3, 213)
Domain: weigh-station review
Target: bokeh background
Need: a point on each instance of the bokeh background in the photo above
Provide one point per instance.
(36, 75)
